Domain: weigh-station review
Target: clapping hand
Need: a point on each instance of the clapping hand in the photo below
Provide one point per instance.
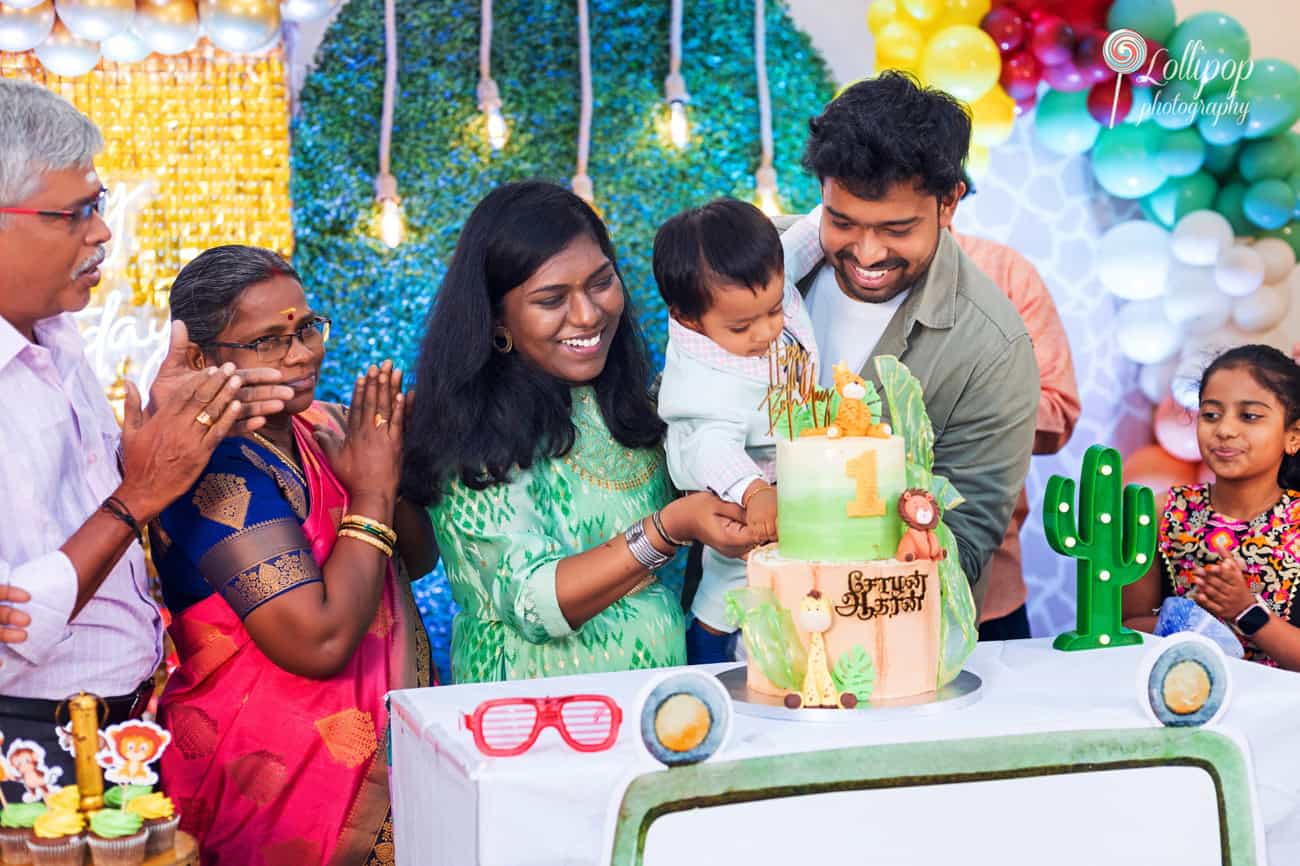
(368, 460)
(1221, 587)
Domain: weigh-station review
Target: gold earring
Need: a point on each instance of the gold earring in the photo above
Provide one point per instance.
(501, 339)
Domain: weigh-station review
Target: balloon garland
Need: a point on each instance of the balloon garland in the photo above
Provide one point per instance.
(1174, 115)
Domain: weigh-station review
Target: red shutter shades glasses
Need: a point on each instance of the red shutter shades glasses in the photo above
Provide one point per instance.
(505, 727)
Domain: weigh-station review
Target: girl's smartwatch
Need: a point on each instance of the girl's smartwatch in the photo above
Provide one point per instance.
(1253, 618)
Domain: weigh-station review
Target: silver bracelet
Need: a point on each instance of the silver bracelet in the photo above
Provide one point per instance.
(642, 550)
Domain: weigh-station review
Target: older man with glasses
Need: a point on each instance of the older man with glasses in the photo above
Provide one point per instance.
(75, 490)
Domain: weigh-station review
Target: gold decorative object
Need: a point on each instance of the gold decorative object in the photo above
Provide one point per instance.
(83, 711)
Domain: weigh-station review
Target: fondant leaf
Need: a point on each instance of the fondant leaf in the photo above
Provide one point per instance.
(945, 493)
(770, 636)
(854, 672)
(957, 621)
(907, 415)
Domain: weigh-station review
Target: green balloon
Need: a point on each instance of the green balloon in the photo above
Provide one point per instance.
(1273, 93)
(1289, 233)
(1124, 161)
(1179, 196)
(1208, 45)
(1182, 152)
(1175, 105)
(1143, 97)
(1268, 157)
(1221, 159)
(1221, 119)
(1154, 19)
(1151, 213)
(1063, 123)
(1294, 181)
(1269, 203)
(1228, 202)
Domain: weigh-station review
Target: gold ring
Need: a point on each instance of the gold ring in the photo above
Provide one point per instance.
(380, 420)
(204, 418)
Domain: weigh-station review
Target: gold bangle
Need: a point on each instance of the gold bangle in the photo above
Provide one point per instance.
(368, 539)
(744, 500)
(389, 538)
(369, 523)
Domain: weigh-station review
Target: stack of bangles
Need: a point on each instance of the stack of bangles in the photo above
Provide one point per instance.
(643, 551)
(372, 532)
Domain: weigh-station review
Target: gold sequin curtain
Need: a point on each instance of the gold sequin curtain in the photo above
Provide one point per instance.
(210, 130)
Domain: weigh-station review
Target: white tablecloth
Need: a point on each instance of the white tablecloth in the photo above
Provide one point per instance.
(554, 806)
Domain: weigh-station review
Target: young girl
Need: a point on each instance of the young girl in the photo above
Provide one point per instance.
(722, 273)
(1234, 545)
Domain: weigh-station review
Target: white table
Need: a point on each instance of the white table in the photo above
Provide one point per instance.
(556, 806)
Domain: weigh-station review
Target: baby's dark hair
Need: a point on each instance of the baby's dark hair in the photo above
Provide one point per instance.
(724, 242)
(1279, 374)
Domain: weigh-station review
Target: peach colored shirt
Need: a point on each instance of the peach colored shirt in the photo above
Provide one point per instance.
(1058, 407)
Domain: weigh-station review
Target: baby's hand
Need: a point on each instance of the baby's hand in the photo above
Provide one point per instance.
(760, 511)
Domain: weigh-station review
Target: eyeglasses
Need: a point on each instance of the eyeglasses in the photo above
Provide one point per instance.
(76, 216)
(505, 727)
(312, 333)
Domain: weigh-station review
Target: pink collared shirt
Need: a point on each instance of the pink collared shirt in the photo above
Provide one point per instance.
(58, 462)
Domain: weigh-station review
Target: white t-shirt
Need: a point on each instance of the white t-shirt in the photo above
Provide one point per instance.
(846, 330)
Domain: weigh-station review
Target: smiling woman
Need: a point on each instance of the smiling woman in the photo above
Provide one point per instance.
(535, 444)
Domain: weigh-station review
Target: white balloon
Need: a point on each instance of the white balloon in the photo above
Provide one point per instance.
(1154, 379)
(1239, 271)
(1278, 258)
(96, 20)
(1201, 237)
(65, 54)
(1196, 356)
(125, 47)
(167, 26)
(1263, 309)
(1133, 260)
(1194, 303)
(1144, 334)
(21, 4)
(23, 28)
(306, 10)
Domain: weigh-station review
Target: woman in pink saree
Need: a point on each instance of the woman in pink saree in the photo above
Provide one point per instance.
(289, 618)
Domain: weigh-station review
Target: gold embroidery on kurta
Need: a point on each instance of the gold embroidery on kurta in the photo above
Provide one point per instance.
(288, 484)
(223, 498)
(349, 736)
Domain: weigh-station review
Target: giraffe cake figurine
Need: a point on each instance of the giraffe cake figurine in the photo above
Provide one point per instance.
(862, 599)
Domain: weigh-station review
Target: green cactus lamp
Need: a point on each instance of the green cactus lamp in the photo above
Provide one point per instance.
(1114, 539)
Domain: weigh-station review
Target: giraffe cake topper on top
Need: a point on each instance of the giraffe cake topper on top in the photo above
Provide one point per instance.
(862, 599)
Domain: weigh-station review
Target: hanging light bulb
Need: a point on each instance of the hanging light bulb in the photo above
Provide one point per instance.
(768, 198)
(392, 222)
(489, 102)
(679, 130)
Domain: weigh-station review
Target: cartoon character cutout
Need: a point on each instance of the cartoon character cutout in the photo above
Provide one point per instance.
(26, 760)
(133, 747)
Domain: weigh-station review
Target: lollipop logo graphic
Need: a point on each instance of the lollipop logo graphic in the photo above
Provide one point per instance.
(1124, 51)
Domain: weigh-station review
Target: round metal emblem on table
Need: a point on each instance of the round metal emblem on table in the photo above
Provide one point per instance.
(961, 692)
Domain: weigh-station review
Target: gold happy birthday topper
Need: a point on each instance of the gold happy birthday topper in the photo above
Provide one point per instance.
(792, 389)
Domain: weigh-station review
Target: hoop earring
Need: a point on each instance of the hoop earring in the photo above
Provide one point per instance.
(501, 340)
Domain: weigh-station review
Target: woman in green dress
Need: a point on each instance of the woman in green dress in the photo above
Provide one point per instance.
(537, 449)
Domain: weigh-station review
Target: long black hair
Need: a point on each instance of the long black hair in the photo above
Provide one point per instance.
(479, 413)
(1281, 376)
(204, 293)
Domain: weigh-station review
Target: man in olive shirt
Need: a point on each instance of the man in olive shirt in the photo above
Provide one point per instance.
(893, 281)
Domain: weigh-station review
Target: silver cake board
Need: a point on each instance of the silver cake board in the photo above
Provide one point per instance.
(963, 691)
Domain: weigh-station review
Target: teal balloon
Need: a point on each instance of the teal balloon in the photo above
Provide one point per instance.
(1154, 19)
(1268, 157)
(1273, 93)
(1143, 97)
(1063, 124)
(1221, 119)
(1269, 204)
(1221, 159)
(1124, 161)
(1176, 105)
(1289, 233)
(1179, 196)
(1149, 211)
(1207, 45)
(1182, 152)
(1294, 181)
(1228, 202)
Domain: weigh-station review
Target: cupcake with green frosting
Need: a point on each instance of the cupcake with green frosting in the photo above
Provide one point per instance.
(117, 838)
(118, 796)
(57, 838)
(16, 822)
(160, 819)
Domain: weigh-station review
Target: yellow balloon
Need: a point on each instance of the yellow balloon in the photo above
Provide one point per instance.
(923, 12)
(898, 46)
(968, 12)
(977, 162)
(992, 117)
(962, 60)
(880, 13)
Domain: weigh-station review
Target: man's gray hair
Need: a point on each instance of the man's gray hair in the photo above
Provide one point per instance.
(40, 132)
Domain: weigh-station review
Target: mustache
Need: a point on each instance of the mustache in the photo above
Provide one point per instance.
(848, 259)
(92, 262)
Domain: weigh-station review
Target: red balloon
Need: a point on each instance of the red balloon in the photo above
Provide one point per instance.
(1066, 76)
(1089, 58)
(1101, 96)
(1023, 106)
(1151, 73)
(1085, 13)
(1006, 27)
(1020, 75)
(1052, 40)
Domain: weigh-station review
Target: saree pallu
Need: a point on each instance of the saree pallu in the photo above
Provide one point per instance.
(268, 767)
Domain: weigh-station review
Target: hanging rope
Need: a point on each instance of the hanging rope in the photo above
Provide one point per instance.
(674, 85)
(391, 228)
(581, 182)
(489, 97)
(765, 177)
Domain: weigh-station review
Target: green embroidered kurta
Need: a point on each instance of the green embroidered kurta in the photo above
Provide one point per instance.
(501, 546)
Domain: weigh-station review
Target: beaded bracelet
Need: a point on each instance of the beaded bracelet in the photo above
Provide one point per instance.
(368, 539)
(118, 509)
